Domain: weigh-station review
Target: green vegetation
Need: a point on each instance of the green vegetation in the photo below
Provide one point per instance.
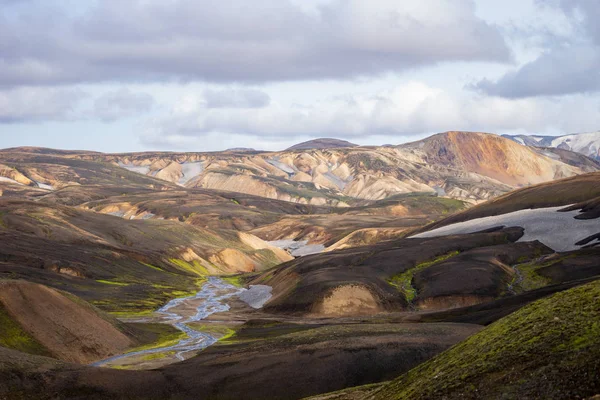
(111, 282)
(235, 280)
(145, 303)
(528, 277)
(548, 349)
(167, 336)
(152, 266)
(195, 267)
(13, 336)
(220, 331)
(403, 281)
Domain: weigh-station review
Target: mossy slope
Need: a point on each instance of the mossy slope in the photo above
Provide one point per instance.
(550, 349)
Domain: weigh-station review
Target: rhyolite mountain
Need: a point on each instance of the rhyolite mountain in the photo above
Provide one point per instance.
(585, 143)
(462, 165)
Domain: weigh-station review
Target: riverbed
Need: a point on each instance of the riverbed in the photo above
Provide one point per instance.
(183, 313)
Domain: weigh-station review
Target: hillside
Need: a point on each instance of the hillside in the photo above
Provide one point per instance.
(325, 143)
(549, 349)
(120, 265)
(43, 321)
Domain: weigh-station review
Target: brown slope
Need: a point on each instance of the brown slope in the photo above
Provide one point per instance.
(70, 329)
(492, 156)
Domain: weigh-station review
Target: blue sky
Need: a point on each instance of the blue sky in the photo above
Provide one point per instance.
(119, 76)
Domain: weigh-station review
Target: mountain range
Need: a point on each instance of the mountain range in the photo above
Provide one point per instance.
(466, 166)
(463, 265)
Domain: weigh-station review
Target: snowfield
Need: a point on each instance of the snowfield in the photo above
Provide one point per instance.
(557, 230)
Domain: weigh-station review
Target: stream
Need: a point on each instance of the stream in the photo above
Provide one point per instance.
(211, 299)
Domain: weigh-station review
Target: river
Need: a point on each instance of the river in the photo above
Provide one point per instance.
(211, 299)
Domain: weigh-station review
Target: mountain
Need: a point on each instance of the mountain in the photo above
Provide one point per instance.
(467, 166)
(584, 143)
(321, 144)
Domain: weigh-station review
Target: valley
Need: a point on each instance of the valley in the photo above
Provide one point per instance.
(328, 269)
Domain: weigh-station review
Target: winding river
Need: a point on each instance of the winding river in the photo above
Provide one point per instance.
(211, 299)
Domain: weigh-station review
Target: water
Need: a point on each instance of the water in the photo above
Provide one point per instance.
(209, 300)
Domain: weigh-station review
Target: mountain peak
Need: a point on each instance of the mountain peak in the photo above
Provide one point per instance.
(322, 143)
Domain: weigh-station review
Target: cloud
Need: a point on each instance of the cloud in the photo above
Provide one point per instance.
(237, 40)
(411, 109)
(120, 104)
(566, 67)
(236, 98)
(33, 104)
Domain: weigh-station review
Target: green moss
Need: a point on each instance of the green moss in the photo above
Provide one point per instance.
(111, 282)
(166, 338)
(235, 280)
(528, 277)
(548, 346)
(152, 266)
(157, 356)
(220, 331)
(13, 336)
(194, 267)
(403, 281)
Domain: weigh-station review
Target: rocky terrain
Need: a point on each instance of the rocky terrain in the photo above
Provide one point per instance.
(461, 165)
(189, 275)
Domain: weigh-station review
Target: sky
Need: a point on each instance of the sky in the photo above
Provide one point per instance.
(199, 75)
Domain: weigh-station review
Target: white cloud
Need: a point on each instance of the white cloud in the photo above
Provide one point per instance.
(122, 103)
(410, 109)
(35, 104)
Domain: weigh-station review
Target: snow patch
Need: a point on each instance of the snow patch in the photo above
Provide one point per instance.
(256, 296)
(284, 167)
(44, 186)
(4, 179)
(557, 230)
(298, 248)
(135, 168)
(190, 171)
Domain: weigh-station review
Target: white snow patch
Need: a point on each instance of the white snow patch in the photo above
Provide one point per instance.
(135, 168)
(190, 171)
(557, 230)
(44, 186)
(586, 143)
(298, 248)
(285, 168)
(4, 179)
(256, 296)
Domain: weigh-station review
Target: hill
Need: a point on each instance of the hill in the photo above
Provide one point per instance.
(324, 143)
(44, 321)
(548, 349)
